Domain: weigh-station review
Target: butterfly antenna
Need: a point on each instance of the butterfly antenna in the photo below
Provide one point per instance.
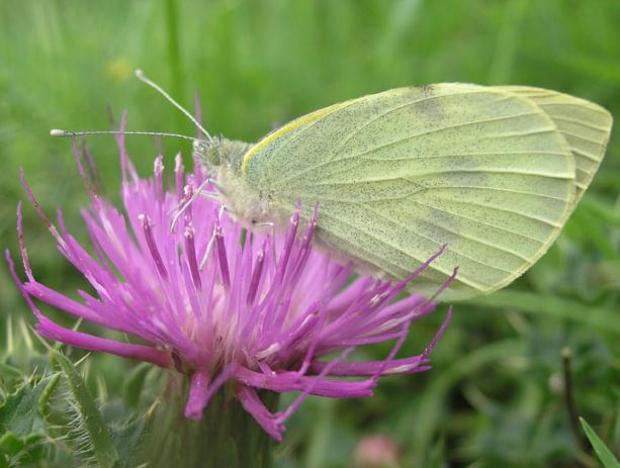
(142, 77)
(56, 132)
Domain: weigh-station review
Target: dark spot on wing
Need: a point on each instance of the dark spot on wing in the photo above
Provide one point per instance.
(429, 107)
(427, 90)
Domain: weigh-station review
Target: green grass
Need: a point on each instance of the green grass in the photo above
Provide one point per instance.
(494, 396)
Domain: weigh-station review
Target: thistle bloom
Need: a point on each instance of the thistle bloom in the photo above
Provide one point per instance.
(218, 303)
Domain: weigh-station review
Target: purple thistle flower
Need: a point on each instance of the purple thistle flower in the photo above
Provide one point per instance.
(219, 303)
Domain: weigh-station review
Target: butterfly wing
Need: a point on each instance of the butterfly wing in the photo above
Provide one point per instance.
(585, 126)
(400, 173)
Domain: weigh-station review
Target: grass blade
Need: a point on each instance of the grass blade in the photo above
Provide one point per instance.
(604, 454)
(597, 317)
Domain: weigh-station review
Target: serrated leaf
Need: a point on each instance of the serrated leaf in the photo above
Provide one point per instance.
(19, 413)
(92, 425)
(21, 425)
(604, 454)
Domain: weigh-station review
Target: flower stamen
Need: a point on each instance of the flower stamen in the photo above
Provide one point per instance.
(152, 246)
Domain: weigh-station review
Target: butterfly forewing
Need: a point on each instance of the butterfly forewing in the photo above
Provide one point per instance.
(400, 173)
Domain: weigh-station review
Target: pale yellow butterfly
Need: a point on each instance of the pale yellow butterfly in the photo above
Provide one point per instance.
(492, 171)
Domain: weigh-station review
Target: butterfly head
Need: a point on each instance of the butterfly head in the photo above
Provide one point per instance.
(220, 153)
(208, 152)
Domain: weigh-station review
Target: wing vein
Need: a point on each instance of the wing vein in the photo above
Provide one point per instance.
(584, 154)
(415, 233)
(593, 108)
(476, 240)
(465, 155)
(409, 137)
(582, 138)
(477, 220)
(582, 123)
(494, 171)
(402, 106)
(477, 187)
(437, 130)
(518, 213)
(433, 266)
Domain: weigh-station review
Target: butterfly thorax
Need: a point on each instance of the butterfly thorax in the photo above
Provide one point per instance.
(223, 159)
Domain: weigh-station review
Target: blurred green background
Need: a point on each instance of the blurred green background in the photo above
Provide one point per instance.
(495, 393)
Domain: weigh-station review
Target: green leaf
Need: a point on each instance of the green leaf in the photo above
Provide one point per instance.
(46, 395)
(9, 372)
(602, 209)
(132, 388)
(127, 440)
(21, 425)
(604, 454)
(597, 317)
(92, 428)
(19, 413)
(11, 444)
(321, 434)
(433, 405)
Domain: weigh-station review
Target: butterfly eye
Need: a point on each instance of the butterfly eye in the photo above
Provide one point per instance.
(208, 153)
(213, 156)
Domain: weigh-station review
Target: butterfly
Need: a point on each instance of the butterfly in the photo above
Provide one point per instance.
(492, 172)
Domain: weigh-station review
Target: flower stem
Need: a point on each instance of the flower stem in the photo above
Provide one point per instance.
(225, 436)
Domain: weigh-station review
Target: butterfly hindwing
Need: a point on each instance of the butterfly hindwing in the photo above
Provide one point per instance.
(585, 126)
